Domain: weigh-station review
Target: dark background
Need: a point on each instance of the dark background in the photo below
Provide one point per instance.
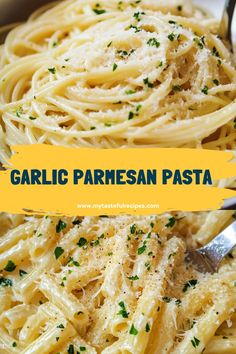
(18, 10)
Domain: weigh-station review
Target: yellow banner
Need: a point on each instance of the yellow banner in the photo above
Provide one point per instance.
(42, 179)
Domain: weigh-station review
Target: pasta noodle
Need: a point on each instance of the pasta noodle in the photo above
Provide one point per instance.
(132, 73)
(115, 285)
(117, 74)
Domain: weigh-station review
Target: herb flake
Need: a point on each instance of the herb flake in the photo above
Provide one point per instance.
(10, 267)
(133, 330)
(58, 252)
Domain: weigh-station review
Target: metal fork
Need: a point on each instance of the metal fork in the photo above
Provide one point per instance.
(225, 29)
(208, 258)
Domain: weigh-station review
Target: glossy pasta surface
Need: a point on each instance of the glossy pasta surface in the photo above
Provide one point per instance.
(113, 285)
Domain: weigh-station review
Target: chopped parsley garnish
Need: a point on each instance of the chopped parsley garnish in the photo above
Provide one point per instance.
(58, 252)
(94, 243)
(110, 254)
(19, 111)
(124, 54)
(166, 299)
(205, 90)
(131, 115)
(133, 229)
(97, 242)
(215, 52)
(171, 222)
(195, 342)
(178, 302)
(76, 222)
(71, 349)
(153, 42)
(123, 311)
(82, 349)
(71, 262)
(22, 273)
(10, 267)
(147, 265)
(60, 226)
(137, 29)
(177, 88)
(148, 83)
(130, 92)
(199, 41)
(133, 330)
(32, 118)
(60, 326)
(137, 15)
(135, 277)
(190, 284)
(52, 70)
(92, 128)
(138, 108)
(171, 37)
(99, 11)
(235, 283)
(192, 323)
(5, 282)
(82, 242)
(216, 82)
(115, 66)
(147, 328)
(171, 255)
(142, 249)
(14, 344)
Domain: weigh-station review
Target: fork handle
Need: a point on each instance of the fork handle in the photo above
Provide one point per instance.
(220, 246)
(225, 30)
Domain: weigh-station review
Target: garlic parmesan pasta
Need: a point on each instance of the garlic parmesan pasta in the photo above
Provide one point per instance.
(114, 74)
(114, 285)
